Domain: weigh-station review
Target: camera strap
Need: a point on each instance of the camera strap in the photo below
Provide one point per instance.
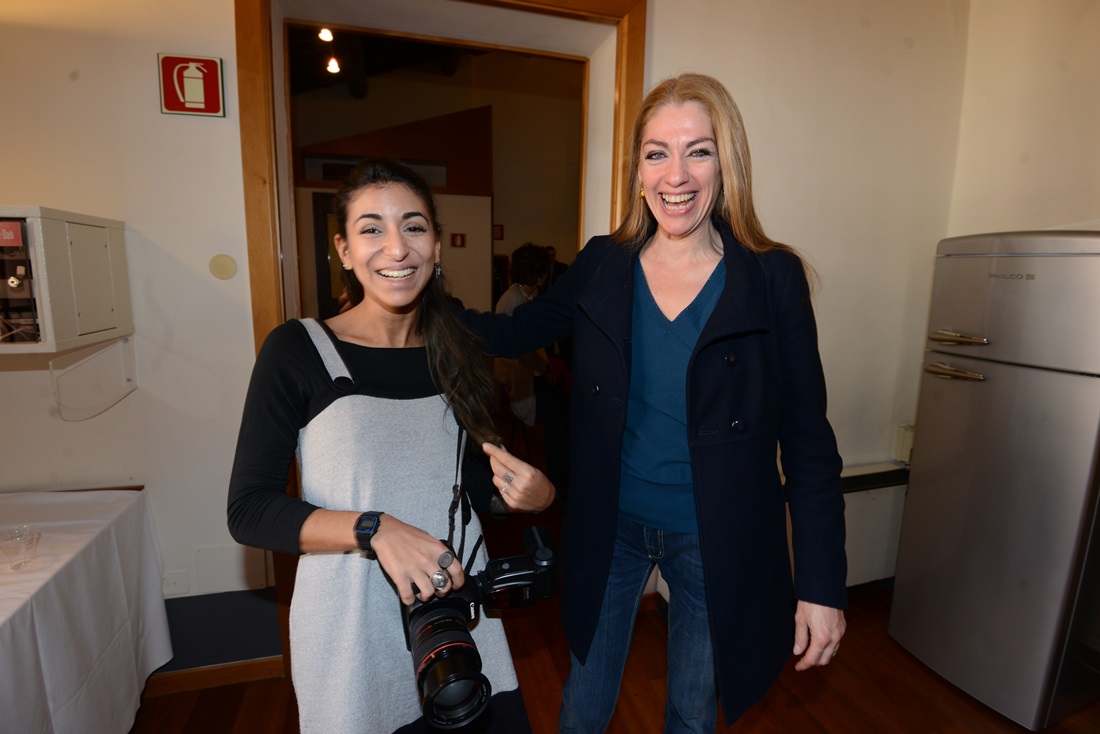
(459, 499)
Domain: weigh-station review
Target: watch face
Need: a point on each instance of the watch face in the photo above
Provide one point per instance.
(365, 528)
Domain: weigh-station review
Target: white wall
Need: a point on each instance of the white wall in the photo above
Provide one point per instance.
(82, 131)
(1029, 141)
(469, 268)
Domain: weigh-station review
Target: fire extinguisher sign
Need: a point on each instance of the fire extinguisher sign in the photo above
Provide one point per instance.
(191, 85)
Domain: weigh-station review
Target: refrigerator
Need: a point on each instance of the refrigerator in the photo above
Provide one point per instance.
(997, 582)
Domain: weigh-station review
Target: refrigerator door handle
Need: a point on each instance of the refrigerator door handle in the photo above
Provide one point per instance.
(947, 372)
(943, 336)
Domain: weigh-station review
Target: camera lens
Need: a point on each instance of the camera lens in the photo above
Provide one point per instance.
(448, 666)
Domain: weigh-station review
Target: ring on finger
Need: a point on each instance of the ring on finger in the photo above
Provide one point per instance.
(440, 579)
(508, 478)
(505, 488)
(446, 559)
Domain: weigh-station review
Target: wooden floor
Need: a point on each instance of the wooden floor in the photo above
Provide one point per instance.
(873, 686)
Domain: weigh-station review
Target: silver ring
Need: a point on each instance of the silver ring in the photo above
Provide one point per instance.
(446, 559)
(505, 488)
(440, 580)
(508, 478)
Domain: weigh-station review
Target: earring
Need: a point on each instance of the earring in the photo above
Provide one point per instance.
(641, 193)
(347, 266)
(438, 269)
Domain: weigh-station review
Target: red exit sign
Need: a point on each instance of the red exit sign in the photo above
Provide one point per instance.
(11, 234)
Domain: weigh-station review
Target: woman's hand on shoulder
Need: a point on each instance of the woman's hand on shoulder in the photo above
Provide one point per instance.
(410, 556)
(522, 487)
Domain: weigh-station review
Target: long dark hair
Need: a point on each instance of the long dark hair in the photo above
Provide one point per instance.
(455, 355)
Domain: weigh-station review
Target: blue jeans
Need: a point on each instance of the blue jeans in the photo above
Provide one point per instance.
(591, 690)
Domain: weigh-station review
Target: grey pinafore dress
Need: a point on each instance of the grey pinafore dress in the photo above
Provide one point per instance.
(351, 669)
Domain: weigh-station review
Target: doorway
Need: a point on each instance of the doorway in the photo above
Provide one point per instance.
(260, 75)
(261, 87)
(498, 135)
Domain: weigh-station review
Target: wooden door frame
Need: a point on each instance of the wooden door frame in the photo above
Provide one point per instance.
(255, 91)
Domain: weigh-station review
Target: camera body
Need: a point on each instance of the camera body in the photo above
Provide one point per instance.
(448, 666)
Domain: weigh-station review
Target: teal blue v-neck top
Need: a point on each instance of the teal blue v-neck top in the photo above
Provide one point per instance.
(656, 488)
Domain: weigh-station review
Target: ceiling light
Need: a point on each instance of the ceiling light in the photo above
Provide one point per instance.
(325, 35)
(333, 66)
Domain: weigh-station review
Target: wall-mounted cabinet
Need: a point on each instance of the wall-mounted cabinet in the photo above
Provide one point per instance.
(64, 280)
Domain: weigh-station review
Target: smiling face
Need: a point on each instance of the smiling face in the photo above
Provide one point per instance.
(390, 245)
(679, 170)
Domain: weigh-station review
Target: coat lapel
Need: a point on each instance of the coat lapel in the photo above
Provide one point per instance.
(742, 307)
(609, 294)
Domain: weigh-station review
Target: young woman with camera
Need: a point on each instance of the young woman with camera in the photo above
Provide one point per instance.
(386, 406)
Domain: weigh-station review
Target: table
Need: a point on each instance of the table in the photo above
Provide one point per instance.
(81, 629)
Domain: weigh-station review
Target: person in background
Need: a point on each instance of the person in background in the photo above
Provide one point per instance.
(562, 349)
(695, 361)
(388, 408)
(529, 268)
(533, 382)
(556, 268)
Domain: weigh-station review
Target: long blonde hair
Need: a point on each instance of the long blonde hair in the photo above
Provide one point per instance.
(734, 205)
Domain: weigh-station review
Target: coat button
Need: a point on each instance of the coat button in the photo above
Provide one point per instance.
(739, 425)
(595, 390)
(731, 359)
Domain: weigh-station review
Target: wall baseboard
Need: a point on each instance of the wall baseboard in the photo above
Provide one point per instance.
(178, 681)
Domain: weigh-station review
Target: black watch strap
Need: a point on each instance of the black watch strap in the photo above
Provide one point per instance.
(365, 528)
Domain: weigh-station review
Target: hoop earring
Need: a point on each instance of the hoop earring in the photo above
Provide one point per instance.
(438, 269)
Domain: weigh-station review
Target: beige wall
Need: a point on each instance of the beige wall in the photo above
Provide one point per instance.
(1029, 140)
(82, 131)
(853, 109)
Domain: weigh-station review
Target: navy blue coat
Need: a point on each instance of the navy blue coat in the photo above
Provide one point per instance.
(754, 384)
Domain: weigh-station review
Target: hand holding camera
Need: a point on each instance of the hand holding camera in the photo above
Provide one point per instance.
(446, 662)
(410, 556)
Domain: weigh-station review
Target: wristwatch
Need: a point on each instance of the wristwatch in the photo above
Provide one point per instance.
(365, 528)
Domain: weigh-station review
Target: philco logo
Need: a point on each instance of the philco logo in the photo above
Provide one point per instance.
(1012, 276)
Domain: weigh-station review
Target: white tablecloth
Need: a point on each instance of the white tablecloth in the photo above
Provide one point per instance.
(82, 629)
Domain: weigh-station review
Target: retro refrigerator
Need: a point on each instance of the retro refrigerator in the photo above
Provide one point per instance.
(997, 585)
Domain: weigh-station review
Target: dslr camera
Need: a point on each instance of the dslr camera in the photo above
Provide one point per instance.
(452, 687)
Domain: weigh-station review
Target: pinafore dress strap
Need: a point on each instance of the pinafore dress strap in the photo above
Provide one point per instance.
(334, 363)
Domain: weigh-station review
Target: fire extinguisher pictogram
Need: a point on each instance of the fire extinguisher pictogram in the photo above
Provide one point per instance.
(191, 85)
(192, 93)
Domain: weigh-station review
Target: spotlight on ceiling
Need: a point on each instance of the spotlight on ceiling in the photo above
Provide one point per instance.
(333, 66)
(325, 35)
